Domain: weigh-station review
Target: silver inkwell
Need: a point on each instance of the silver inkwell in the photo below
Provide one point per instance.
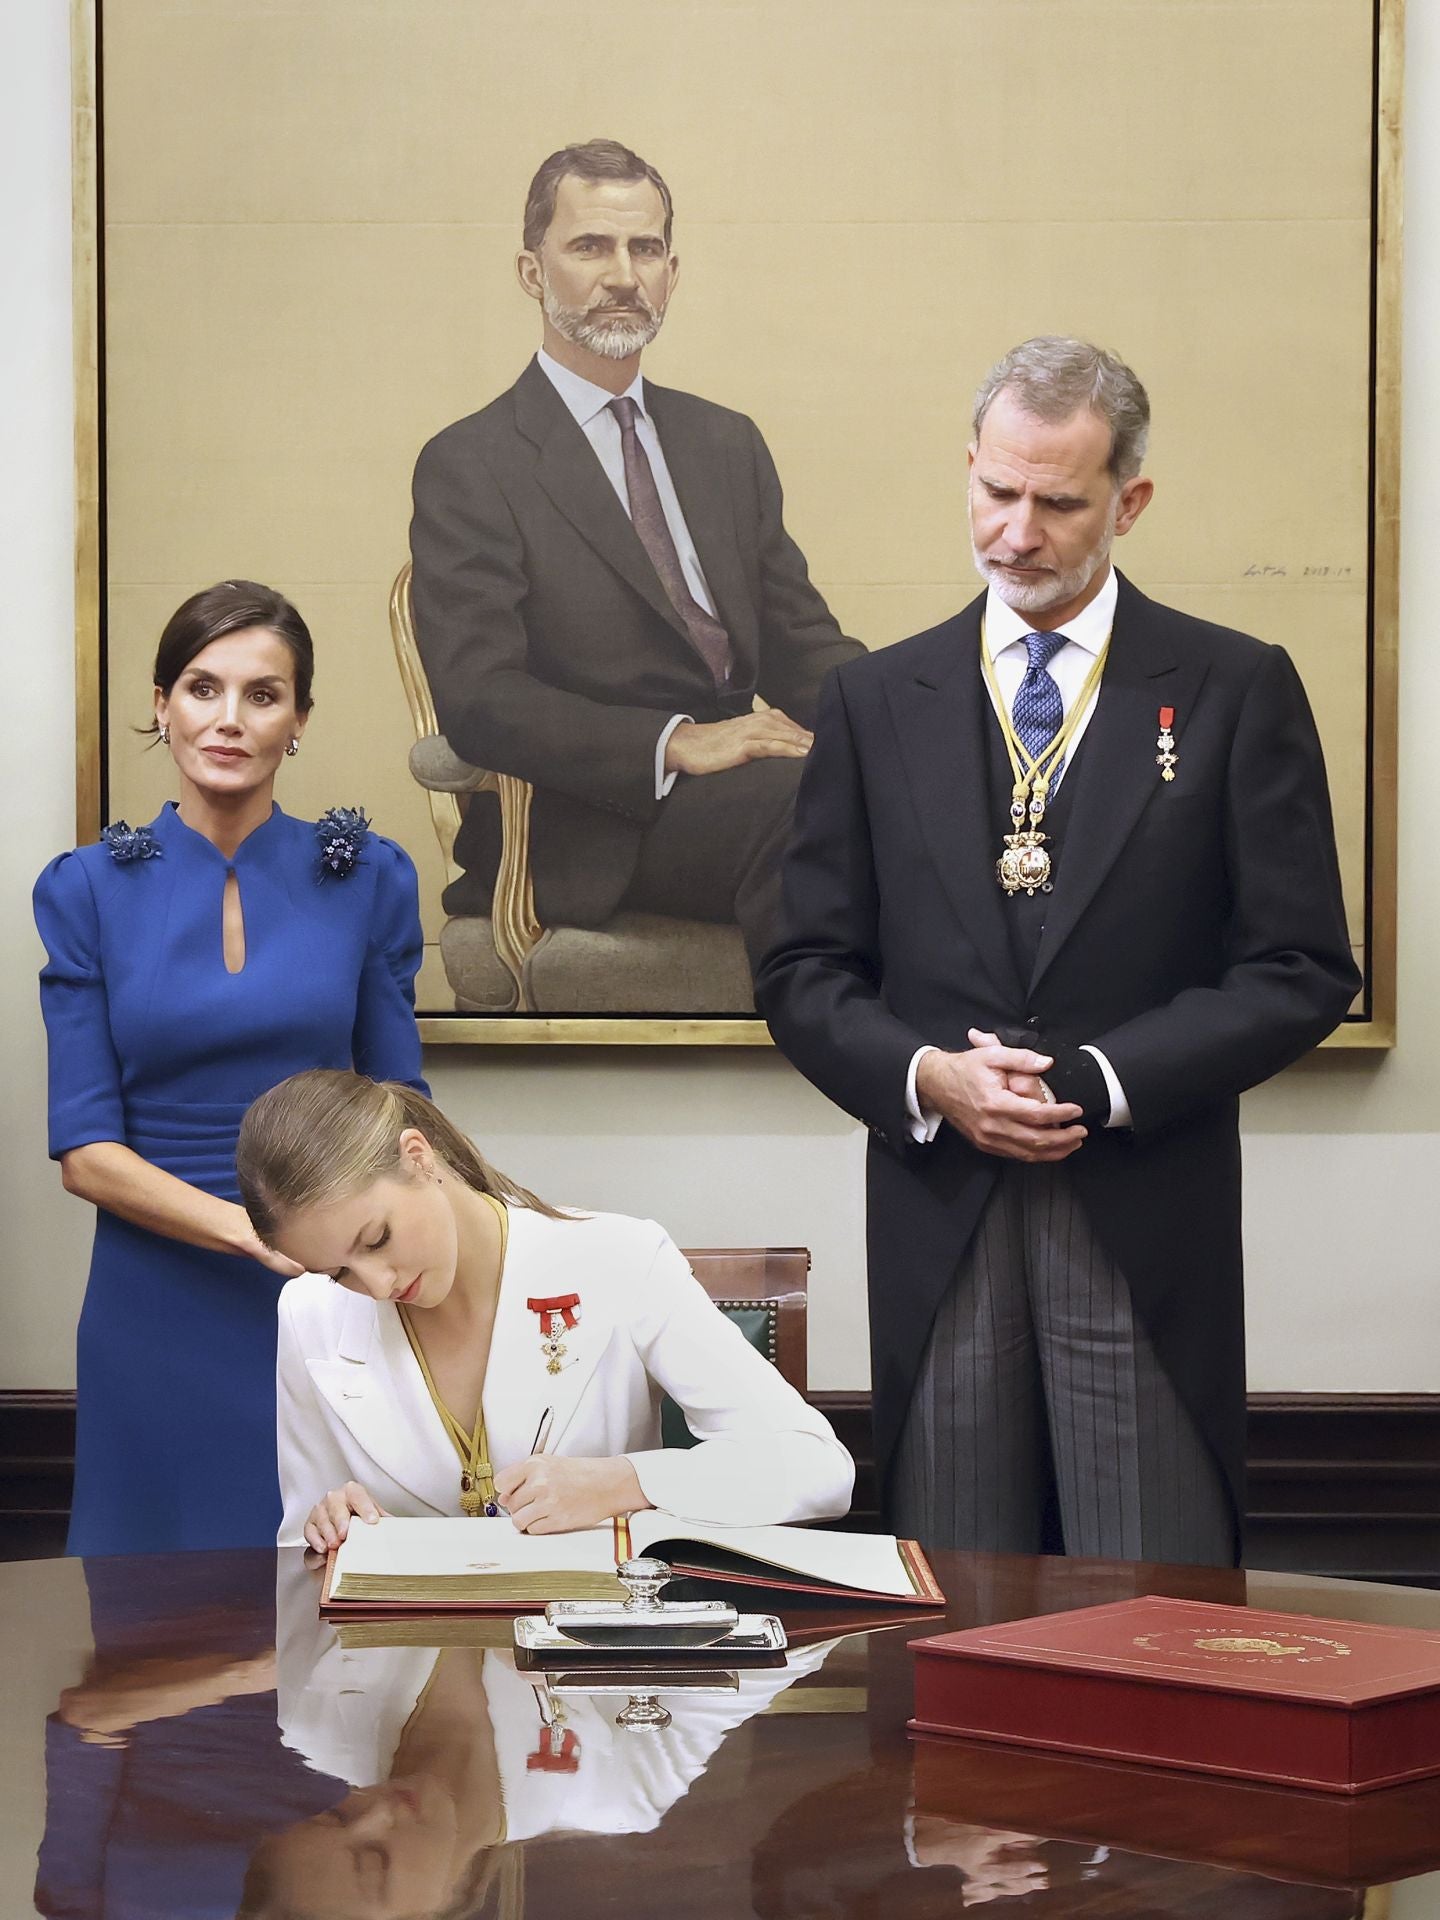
(642, 1630)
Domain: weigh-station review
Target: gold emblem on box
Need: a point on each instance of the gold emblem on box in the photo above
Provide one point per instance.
(1299, 1649)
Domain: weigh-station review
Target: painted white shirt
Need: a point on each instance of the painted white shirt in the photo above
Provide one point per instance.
(589, 406)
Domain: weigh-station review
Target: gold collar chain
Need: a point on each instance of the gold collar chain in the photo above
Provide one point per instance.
(477, 1477)
(1024, 866)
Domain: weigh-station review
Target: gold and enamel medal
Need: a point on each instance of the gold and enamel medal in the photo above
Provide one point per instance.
(558, 1315)
(1025, 865)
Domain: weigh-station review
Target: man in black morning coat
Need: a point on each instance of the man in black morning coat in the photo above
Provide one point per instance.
(1051, 1078)
(603, 584)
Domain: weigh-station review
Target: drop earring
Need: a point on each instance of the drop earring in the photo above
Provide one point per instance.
(164, 736)
(293, 748)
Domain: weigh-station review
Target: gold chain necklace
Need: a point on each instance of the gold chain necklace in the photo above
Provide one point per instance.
(1024, 866)
(477, 1477)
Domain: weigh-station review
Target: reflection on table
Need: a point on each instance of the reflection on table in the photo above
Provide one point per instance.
(227, 1752)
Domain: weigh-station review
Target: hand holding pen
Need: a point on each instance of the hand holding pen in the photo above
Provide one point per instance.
(546, 1493)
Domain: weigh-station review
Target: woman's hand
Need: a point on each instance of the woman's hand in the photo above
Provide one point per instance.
(328, 1521)
(111, 1175)
(105, 1707)
(248, 1242)
(549, 1494)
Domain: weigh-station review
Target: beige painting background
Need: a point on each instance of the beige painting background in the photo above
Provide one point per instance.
(312, 210)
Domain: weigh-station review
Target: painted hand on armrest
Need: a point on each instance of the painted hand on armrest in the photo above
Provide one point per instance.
(716, 745)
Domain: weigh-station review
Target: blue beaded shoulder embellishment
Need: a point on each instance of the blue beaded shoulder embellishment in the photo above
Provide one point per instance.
(125, 843)
(342, 833)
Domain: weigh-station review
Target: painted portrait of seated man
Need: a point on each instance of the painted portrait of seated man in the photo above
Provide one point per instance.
(606, 600)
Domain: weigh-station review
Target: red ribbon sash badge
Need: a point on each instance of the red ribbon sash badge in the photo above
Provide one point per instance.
(1167, 759)
(558, 1316)
(550, 1757)
(561, 1305)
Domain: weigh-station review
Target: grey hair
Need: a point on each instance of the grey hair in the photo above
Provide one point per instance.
(1053, 377)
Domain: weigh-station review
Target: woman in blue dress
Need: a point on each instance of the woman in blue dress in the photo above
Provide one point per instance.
(192, 964)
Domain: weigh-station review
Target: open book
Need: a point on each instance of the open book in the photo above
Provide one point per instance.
(397, 1565)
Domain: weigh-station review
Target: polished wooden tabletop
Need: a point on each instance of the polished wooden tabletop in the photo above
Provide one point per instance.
(181, 1736)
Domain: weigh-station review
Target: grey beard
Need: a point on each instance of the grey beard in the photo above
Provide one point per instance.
(1044, 594)
(613, 334)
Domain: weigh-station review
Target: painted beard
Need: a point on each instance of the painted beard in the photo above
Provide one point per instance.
(612, 332)
(1057, 587)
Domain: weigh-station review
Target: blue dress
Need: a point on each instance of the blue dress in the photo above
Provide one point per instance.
(162, 1825)
(154, 1044)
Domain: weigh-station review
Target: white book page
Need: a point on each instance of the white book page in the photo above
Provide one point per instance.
(868, 1561)
(420, 1549)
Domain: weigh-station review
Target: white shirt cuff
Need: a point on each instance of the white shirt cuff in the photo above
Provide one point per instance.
(1119, 1105)
(923, 1125)
(663, 780)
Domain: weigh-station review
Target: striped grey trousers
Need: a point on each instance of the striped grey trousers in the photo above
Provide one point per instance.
(1036, 1367)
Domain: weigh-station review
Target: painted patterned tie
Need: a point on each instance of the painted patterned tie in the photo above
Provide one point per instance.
(1038, 709)
(707, 636)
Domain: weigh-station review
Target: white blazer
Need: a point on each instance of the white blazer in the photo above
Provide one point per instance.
(350, 1721)
(344, 1709)
(353, 1404)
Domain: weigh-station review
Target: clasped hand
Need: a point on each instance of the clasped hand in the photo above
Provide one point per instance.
(996, 1097)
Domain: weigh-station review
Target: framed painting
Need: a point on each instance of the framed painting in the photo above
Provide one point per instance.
(300, 260)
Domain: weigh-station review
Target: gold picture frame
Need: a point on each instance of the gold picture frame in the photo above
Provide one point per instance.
(1373, 1024)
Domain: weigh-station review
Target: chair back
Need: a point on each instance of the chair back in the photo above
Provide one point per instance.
(445, 813)
(765, 1291)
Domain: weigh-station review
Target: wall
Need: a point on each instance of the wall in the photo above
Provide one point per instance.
(43, 1236)
(728, 1149)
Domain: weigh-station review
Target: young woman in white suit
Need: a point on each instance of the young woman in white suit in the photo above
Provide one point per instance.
(457, 1345)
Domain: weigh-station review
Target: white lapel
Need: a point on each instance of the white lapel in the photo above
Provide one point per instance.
(375, 1387)
(544, 1258)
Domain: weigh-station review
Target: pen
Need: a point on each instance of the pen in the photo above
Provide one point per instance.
(542, 1432)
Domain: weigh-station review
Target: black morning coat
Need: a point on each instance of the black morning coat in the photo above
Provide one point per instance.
(550, 646)
(1195, 935)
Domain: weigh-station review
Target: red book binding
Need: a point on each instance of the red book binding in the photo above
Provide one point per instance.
(1336, 1705)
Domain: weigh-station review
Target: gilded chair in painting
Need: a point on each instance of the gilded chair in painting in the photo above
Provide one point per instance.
(636, 963)
(476, 955)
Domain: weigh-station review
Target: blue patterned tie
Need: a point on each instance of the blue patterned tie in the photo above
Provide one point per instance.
(1039, 709)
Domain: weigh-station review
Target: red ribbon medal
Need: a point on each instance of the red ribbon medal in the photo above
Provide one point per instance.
(1167, 759)
(558, 1316)
(550, 1758)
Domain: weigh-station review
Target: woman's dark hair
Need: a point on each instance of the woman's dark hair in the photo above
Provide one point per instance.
(231, 607)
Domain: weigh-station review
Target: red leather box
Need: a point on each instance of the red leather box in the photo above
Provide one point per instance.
(1334, 1705)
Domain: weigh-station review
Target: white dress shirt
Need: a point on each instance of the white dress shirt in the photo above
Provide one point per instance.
(589, 406)
(1005, 634)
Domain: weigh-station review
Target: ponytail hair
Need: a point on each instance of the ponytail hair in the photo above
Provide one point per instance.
(324, 1134)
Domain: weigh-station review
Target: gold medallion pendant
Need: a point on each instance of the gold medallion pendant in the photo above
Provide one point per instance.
(1024, 866)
